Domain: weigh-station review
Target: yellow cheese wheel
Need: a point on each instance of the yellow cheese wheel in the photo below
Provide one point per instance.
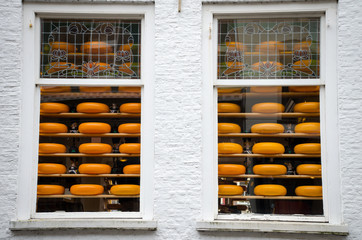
(228, 108)
(86, 189)
(229, 148)
(94, 168)
(270, 190)
(268, 148)
(94, 127)
(53, 128)
(307, 107)
(95, 89)
(308, 148)
(267, 108)
(229, 190)
(95, 148)
(47, 89)
(50, 189)
(130, 108)
(52, 107)
(307, 127)
(270, 169)
(130, 148)
(270, 47)
(92, 107)
(267, 128)
(125, 189)
(129, 89)
(132, 169)
(60, 66)
(96, 47)
(236, 46)
(309, 169)
(266, 89)
(304, 89)
(228, 128)
(231, 169)
(309, 191)
(129, 128)
(47, 148)
(51, 168)
(67, 47)
(229, 90)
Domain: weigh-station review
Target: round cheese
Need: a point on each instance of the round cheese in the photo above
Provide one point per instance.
(60, 66)
(53, 128)
(125, 189)
(270, 47)
(231, 169)
(86, 189)
(228, 108)
(95, 89)
(48, 148)
(130, 108)
(270, 190)
(129, 89)
(229, 190)
(95, 148)
(94, 168)
(304, 89)
(267, 128)
(266, 89)
(309, 191)
(268, 107)
(129, 128)
(229, 148)
(65, 46)
(92, 107)
(52, 107)
(228, 128)
(130, 148)
(269, 169)
(91, 68)
(132, 169)
(51, 168)
(309, 169)
(47, 89)
(50, 189)
(308, 127)
(307, 107)
(308, 148)
(236, 46)
(268, 148)
(94, 127)
(228, 90)
(96, 47)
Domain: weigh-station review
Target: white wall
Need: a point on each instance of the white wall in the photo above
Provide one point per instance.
(178, 85)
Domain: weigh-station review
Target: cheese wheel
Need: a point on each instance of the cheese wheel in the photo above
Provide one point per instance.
(130, 108)
(50, 189)
(47, 89)
(125, 189)
(52, 107)
(53, 128)
(95, 148)
(92, 107)
(236, 46)
(47, 148)
(267, 107)
(95, 89)
(67, 47)
(132, 169)
(96, 47)
(308, 148)
(129, 89)
(268, 148)
(309, 191)
(304, 89)
(228, 90)
(231, 169)
(228, 108)
(266, 89)
(269, 169)
(51, 168)
(91, 68)
(309, 169)
(129, 128)
(94, 127)
(228, 128)
(229, 148)
(270, 47)
(308, 127)
(270, 190)
(130, 148)
(94, 168)
(307, 107)
(229, 190)
(60, 66)
(268, 128)
(86, 189)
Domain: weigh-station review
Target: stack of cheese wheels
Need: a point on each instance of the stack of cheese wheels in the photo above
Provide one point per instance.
(270, 190)
(95, 89)
(49, 148)
(65, 46)
(125, 190)
(268, 107)
(47, 89)
(92, 107)
(308, 127)
(269, 169)
(267, 128)
(132, 169)
(308, 148)
(229, 148)
(95, 148)
(94, 168)
(95, 47)
(130, 148)
(130, 108)
(228, 108)
(94, 128)
(228, 128)
(304, 89)
(230, 190)
(52, 128)
(228, 90)
(309, 191)
(231, 169)
(309, 169)
(53, 107)
(268, 148)
(129, 89)
(86, 189)
(50, 189)
(266, 89)
(307, 107)
(129, 128)
(51, 168)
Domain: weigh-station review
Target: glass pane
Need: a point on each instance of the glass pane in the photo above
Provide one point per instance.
(268, 48)
(89, 149)
(269, 150)
(90, 49)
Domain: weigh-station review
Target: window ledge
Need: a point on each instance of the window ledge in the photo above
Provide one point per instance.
(45, 224)
(283, 227)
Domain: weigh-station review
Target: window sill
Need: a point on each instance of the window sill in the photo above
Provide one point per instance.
(45, 224)
(283, 227)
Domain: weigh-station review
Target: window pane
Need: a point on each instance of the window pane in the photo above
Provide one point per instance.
(269, 150)
(268, 48)
(90, 49)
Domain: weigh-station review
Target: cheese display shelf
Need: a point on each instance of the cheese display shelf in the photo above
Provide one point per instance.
(90, 175)
(270, 176)
(105, 135)
(267, 115)
(88, 155)
(238, 96)
(275, 135)
(89, 115)
(91, 196)
(272, 197)
(253, 155)
(86, 95)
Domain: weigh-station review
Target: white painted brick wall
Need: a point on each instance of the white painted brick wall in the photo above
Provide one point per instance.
(178, 124)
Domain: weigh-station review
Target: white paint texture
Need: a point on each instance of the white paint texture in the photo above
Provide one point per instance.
(178, 85)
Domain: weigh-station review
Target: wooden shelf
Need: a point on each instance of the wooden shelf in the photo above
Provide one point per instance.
(271, 176)
(277, 135)
(272, 155)
(89, 175)
(88, 155)
(275, 94)
(86, 95)
(93, 196)
(89, 115)
(107, 135)
(267, 115)
(273, 197)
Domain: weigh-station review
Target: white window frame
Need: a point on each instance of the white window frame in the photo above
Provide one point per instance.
(332, 221)
(31, 82)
